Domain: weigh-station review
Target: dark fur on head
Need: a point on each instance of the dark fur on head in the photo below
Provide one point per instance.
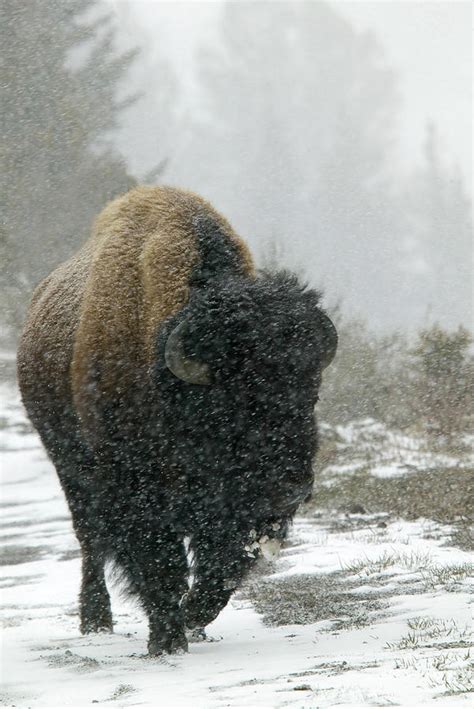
(253, 428)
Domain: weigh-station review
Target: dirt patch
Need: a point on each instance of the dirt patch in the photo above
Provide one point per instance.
(72, 660)
(19, 554)
(11, 581)
(121, 691)
(70, 554)
(24, 523)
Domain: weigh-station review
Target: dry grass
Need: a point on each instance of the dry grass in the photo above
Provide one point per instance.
(433, 633)
(449, 577)
(450, 672)
(447, 663)
(411, 561)
(311, 598)
(443, 495)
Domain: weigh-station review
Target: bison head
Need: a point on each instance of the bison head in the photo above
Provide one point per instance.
(240, 369)
(221, 328)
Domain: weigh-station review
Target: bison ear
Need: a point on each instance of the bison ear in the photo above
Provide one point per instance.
(328, 341)
(185, 368)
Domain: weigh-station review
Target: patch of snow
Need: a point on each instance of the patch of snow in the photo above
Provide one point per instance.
(372, 445)
(46, 662)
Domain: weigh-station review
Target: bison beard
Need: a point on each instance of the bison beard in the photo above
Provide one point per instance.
(212, 438)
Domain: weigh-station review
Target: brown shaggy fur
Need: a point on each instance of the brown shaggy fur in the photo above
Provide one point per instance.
(108, 300)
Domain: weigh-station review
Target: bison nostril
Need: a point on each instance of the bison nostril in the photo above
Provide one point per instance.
(270, 548)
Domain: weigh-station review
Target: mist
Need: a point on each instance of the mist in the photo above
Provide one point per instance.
(335, 136)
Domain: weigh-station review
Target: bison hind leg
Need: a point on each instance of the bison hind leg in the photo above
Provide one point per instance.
(94, 600)
(95, 609)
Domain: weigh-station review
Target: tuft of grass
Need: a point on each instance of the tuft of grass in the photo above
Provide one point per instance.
(367, 567)
(121, 691)
(459, 682)
(412, 561)
(463, 536)
(452, 672)
(432, 633)
(448, 576)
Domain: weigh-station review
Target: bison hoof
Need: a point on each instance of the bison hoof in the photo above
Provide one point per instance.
(171, 646)
(102, 624)
(93, 627)
(196, 635)
(199, 635)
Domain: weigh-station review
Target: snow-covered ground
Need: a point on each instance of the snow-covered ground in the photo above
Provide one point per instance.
(375, 610)
(389, 453)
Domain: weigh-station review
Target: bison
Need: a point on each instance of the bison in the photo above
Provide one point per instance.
(173, 388)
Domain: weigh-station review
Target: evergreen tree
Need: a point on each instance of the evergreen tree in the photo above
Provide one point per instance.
(371, 376)
(444, 386)
(59, 73)
(440, 231)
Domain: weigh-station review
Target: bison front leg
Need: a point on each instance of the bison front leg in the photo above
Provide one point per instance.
(220, 563)
(156, 567)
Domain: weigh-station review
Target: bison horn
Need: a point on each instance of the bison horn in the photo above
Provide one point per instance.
(329, 341)
(189, 370)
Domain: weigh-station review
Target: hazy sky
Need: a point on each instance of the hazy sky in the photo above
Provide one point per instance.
(428, 44)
